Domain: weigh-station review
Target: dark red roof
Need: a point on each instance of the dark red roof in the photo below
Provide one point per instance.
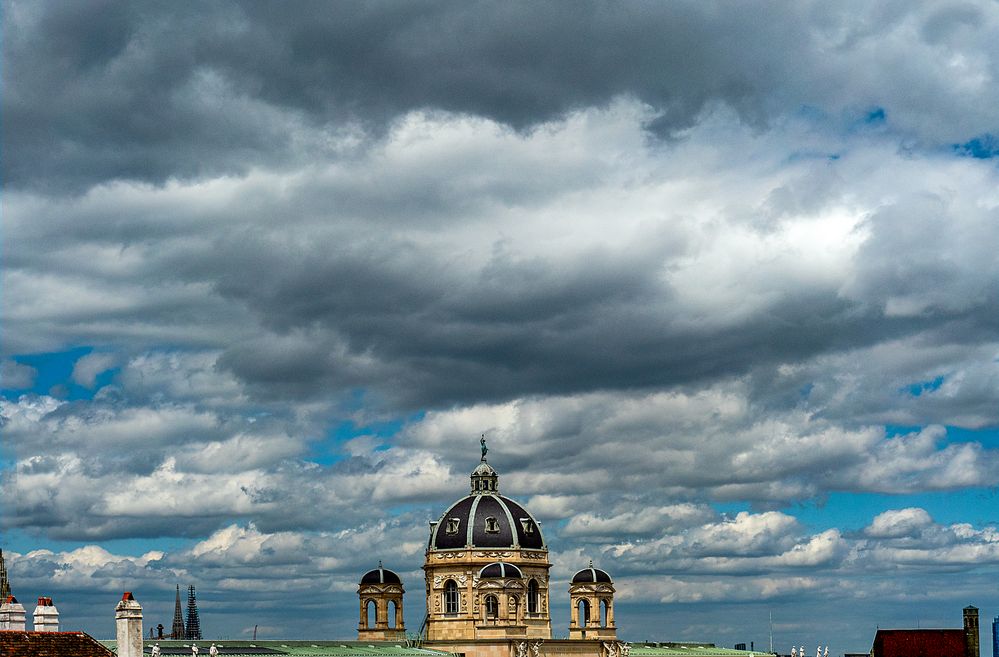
(14, 643)
(918, 643)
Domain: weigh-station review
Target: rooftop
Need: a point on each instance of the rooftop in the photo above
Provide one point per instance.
(283, 647)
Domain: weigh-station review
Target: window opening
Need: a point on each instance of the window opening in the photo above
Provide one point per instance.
(450, 597)
(492, 526)
(452, 525)
(533, 597)
(527, 525)
(492, 607)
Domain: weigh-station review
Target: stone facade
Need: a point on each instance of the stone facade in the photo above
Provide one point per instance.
(592, 611)
(521, 611)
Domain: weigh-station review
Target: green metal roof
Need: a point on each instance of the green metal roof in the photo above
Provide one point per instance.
(689, 650)
(297, 648)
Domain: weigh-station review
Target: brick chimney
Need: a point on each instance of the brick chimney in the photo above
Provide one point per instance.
(46, 616)
(128, 624)
(971, 648)
(12, 614)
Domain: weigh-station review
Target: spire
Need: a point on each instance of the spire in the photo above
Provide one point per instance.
(4, 584)
(193, 622)
(177, 632)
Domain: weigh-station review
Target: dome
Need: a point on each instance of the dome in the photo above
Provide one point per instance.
(380, 576)
(486, 520)
(591, 574)
(500, 569)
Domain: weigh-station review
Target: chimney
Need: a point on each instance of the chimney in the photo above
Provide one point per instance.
(971, 632)
(12, 614)
(46, 616)
(128, 626)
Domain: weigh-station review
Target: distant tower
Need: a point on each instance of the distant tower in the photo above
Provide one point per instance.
(380, 592)
(4, 584)
(995, 637)
(193, 622)
(177, 632)
(591, 599)
(971, 632)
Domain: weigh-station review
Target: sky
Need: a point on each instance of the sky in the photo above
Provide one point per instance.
(717, 281)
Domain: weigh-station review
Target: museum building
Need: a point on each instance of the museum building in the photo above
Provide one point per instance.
(487, 586)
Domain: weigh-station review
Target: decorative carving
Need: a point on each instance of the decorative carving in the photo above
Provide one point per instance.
(460, 578)
(449, 555)
(522, 649)
(610, 649)
(625, 648)
(534, 555)
(536, 649)
(493, 555)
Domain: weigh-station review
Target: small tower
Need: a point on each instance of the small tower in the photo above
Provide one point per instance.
(12, 616)
(591, 595)
(193, 631)
(46, 616)
(4, 584)
(177, 631)
(379, 588)
(128, 626)
(971, 647)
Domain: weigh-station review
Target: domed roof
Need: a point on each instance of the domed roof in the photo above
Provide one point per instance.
(486, 520)
(380, 575)
(500, 569)
(591, 574)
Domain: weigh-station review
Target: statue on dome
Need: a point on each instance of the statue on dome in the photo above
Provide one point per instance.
(485, 450)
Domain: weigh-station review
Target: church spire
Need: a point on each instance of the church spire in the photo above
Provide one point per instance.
(177, 632)
(193, 622)
(4, 584)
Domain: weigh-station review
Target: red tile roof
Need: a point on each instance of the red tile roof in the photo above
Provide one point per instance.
(918, 643)
(14, 643)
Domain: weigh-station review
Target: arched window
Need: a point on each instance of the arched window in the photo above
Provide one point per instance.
(492, 607)
(584, 613)
(450, 597)
(370, 614)
(533, 597)
(605, 613)
(392, 611)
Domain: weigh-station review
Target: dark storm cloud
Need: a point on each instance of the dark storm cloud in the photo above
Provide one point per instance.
(99, 91)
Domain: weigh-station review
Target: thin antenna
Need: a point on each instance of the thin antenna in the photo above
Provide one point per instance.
(771, 632)
(254, 632)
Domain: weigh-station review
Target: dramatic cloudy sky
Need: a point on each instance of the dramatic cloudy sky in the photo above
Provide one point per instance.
(718, 281)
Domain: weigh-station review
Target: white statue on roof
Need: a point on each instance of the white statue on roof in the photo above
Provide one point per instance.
(794, 651)
(213, 651)
(155, 652)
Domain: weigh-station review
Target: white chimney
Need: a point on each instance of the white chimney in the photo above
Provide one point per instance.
(128, 623)
(12, 614)
(46, 616)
